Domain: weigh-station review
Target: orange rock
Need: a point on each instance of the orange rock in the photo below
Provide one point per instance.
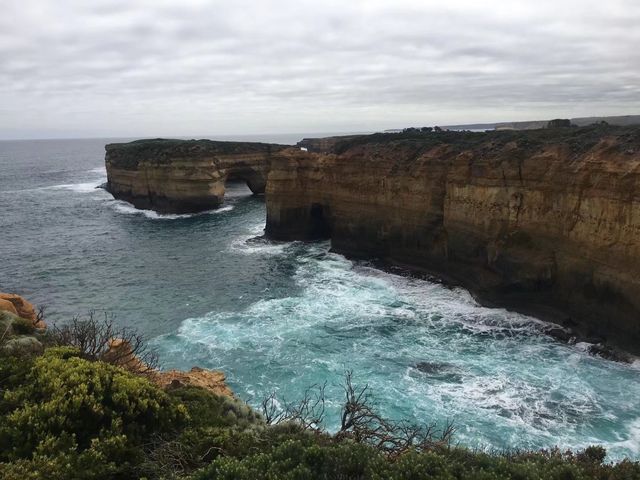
(40, 324)
(23, 308)
(211, 380)
(120, 353)
(7, 306)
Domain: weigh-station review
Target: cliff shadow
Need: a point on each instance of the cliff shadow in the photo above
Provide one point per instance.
(319, 225)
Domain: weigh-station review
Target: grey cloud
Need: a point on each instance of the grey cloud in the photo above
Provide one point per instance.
(132, 68)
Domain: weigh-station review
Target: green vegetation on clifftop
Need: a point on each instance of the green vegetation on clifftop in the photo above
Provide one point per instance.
(577, 139)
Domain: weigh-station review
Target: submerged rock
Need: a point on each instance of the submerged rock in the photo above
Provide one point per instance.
(610, 353)
(439, 371)
(433, 367)
(565, 335)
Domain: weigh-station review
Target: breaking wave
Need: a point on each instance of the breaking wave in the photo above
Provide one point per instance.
(126, 208)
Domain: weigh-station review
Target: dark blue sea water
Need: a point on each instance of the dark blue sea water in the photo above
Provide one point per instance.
(283, 316)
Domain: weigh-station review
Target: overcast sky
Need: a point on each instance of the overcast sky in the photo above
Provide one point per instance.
(77, 68)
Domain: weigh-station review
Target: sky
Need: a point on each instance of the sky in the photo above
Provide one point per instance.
(99, 68)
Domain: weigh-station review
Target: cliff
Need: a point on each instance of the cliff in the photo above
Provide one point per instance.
(545, 222)
(182, 176)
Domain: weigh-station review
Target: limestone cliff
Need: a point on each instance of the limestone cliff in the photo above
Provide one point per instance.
(182, 176)
(545, 222)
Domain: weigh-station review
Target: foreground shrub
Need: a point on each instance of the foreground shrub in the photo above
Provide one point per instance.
(294, 459)
(217, 425)
(22, 326)
(94, 413)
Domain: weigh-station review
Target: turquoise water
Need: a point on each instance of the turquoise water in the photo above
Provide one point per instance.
(283, 316)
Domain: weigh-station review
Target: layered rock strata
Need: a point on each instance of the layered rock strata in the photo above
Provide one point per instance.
(184, 176)
(545, 222)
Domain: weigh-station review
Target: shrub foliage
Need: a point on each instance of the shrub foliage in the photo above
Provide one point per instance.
(65, 410)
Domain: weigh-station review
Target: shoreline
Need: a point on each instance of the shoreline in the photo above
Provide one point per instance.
(561, 326)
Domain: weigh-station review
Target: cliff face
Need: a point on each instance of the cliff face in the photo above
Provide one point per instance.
(545, 222)
(181, 176)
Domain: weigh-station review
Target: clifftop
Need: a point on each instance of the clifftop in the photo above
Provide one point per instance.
(576, 139)
(162, 150)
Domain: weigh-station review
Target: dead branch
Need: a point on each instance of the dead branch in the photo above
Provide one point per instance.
(102, 339)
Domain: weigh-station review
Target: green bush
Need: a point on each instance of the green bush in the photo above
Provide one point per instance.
(294, 459)
(207, 409)
(217, 425)
(91, 412)
(22, 326)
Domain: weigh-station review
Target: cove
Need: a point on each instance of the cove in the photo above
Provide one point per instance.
(280, 316)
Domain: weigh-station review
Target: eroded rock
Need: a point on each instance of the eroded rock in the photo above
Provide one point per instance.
(7, 306)
(540, 221)
(121, 353)
(211, 380)
(184, 176)
(610, 353)
(21, 307)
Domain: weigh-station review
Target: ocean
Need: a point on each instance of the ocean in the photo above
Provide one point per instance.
(206, 290)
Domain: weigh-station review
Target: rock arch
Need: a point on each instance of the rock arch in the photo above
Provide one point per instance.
(184, 176)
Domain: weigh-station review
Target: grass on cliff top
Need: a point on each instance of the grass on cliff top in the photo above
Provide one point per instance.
(176, 145)
(578, 139)
(128, 155)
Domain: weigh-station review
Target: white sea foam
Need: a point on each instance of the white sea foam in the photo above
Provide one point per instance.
(253, 243)
(85, 187)
(504, 382)
(82, 187)
(128, 209)
(631, 442)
